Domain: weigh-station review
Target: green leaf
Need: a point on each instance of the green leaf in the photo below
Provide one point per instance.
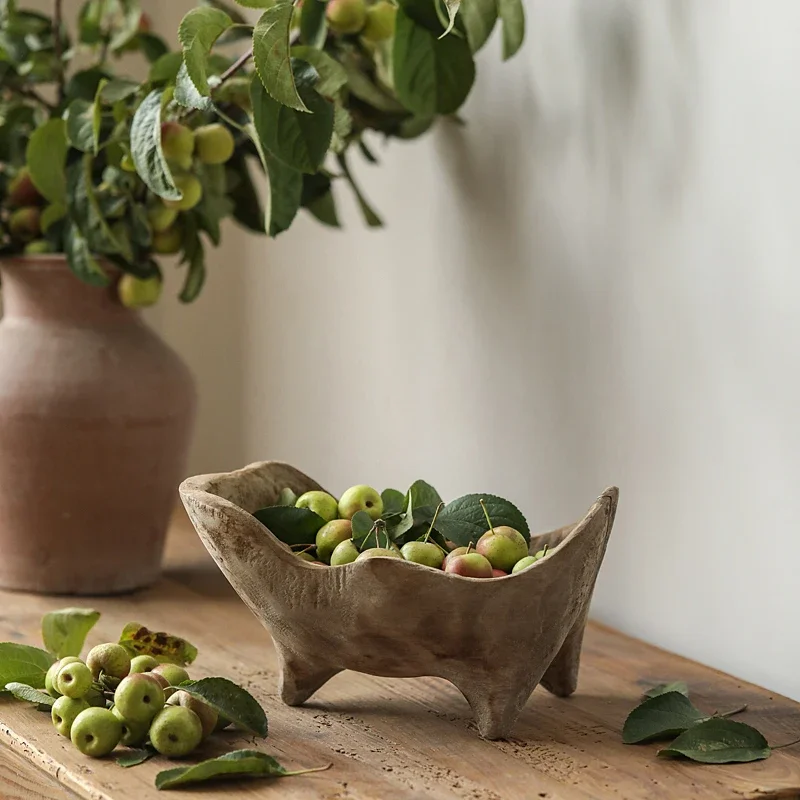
(231, 701)
(659, 717)
(232, 12)
(215, 204)
(83, 84)
(298, 140)
(64, 631)
(423, 495)
(186, 93)
(332, 75)
(20, 663)
(247, 210)
(146, 148)
(271, 55)
(323, 208)
(141, 641)
(153, 47)
(132, 758)
(80, 259)
(362, 526)
(370, 216)
(46, 156)
(665, 688)
(719, 741)
(97, 116)
(165, 69)
(431, 75)
(512, 15)
(126, 27)
(285, 191)
(290, 525)
(118, 89)
(463, 522)
(452, 9)
(313, 26)
(52, 214)
(362, 87)
(394, 502)
(195, 257)
(198, 31)
(479, 18)
(239, 763)
(24, 692)
(79, 117)
(256, 3)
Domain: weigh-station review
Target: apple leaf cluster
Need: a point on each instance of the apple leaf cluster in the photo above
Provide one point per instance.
(105, 168)
(135, 693)
(667, 713)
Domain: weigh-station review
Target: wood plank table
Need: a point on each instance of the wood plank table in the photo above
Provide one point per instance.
(388, 738)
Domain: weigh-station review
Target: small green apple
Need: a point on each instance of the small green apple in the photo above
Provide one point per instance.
(379, 552)
(177, 141)
(52, 672)
(138, 698)
(96, 732)
(457, 551)
(160, 217)
(321, 503)
(214, 143)
(133, 733)
(207, 716)
(38, 247)
(345, 552)
(136, 292)
(172, 672)
(111, 659)
(523, 563)
(25, 223)
(191, 189)
(142, 664)
(380, 21)
(502, 546)
(21, 190)
(426, 553)
(330, 536)
(168, 242)
(176, 731)
(360, 498)
(346, 16)
(64, 712)
(74, 680)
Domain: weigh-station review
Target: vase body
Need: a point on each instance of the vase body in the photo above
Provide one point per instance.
(96, 414)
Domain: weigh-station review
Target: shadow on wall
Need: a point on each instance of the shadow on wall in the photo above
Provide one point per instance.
(591, 142)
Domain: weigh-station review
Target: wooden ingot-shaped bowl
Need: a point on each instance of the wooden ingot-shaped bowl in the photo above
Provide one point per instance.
(495, 639)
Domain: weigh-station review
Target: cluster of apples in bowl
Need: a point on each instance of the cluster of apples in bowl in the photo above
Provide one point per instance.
(500, 551)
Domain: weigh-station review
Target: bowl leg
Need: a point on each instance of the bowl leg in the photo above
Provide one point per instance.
(561, 677)
(495, 707)
(301, 676)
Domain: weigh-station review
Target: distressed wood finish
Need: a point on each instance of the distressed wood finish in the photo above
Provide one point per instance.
(501, 637)
(409, 739)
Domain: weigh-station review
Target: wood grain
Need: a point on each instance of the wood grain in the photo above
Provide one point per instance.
(406, 739)
(20, 779)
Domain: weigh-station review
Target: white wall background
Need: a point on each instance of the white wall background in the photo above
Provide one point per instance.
(594, 282)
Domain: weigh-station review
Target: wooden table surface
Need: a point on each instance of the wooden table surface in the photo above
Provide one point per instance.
(389, 738)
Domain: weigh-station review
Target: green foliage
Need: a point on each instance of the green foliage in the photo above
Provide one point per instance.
(21, 691)
(667, 712)
(231, 701)
(164, 646)
(20, 663)
(238, 764)
(64, 631)
(297, 103)
(291, 525)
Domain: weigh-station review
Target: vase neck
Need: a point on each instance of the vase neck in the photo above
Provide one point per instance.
(43, 289)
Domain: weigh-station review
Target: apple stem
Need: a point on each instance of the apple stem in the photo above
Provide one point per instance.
(469, 547)
(433, 521)
(486, 514)
(545, 549)
(306, 771)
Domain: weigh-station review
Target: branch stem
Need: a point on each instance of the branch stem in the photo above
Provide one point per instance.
(235, 67)
(58, 45)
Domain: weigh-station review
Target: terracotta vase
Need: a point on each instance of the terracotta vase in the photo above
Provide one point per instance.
(96, 413)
